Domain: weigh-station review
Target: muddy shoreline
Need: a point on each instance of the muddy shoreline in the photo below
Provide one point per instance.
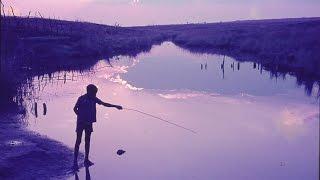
(28, 155)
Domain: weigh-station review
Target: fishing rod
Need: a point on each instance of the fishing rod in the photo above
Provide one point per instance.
(177, 125)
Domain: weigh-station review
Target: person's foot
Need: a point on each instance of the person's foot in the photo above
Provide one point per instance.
(76, 177)
(88, 163)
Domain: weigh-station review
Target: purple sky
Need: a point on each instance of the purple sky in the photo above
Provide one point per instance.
(146, 12)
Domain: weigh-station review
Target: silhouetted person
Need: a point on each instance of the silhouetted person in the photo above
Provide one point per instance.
(85, 109)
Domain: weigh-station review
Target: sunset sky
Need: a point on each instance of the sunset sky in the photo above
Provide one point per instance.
(147, 12)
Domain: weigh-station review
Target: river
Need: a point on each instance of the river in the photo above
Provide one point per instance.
(249, 123)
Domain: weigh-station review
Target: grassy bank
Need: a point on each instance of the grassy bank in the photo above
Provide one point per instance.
(292, 45)
(50, 42)
(36, 46)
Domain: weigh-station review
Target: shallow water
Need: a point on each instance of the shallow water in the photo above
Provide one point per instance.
(249, 126)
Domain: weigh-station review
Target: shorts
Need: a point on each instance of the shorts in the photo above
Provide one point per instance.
(86, 127)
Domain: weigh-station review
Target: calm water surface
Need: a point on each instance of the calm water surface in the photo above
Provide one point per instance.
(249, 126)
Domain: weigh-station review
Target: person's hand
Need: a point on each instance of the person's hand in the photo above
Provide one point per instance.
(119, 107)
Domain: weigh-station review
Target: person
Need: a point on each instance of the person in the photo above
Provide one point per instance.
(85, 109)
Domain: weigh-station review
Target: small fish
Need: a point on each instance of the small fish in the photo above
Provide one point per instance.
(120, 152)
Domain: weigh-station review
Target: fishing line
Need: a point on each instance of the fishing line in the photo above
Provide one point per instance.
(161, 119)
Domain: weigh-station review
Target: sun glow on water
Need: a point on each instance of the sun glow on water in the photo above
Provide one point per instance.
(135, 2)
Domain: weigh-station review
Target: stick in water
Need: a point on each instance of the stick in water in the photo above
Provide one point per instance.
(161, 119)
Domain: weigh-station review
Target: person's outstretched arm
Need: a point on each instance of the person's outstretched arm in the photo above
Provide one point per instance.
(108, 104)
(112, 105)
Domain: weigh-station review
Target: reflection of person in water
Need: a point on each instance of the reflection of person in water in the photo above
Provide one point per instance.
(88, 177)
(85, 109)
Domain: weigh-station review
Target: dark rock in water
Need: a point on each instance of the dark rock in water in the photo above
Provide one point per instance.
(120, 152)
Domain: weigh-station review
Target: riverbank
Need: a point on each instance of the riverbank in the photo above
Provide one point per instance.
(285, 45)
(34, 46)
(280, 46)
(28, 155)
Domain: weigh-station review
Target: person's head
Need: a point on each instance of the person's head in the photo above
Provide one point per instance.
(92, 90)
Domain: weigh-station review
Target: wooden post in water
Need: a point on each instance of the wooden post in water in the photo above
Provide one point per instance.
(222, 67)
(36, 109)
(65, 78)
(44, 109)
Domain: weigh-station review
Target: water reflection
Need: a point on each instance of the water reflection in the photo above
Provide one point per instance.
(87, 176)
(213, 100)
(170, 69)
(245, 82)
(174, 69)
(226, 104)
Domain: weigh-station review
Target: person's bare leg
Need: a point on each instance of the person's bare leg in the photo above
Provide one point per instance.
(76, 149)
(88, 177)
(87, 149)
